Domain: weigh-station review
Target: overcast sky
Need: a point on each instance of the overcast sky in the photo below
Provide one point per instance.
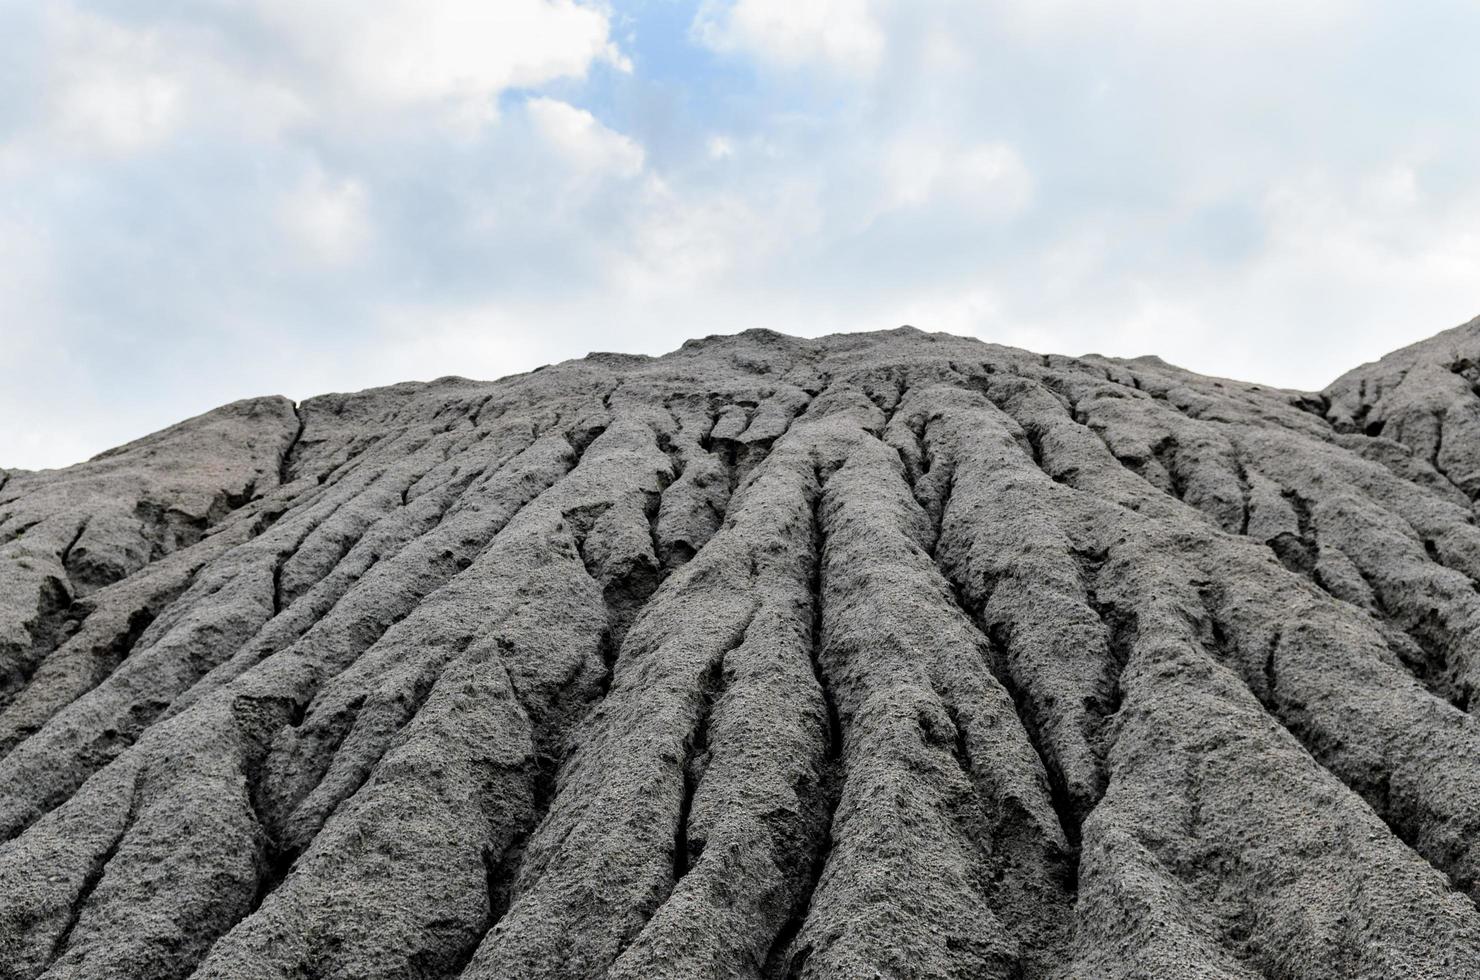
(202, 200)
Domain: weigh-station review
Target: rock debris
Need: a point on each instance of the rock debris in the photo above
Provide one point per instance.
(878, 655)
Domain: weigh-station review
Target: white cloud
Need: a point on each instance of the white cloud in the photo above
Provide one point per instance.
(458, 53)
(690, 245)
(111, 88)
(124, 85)
(581, 142)
(857, 37)
(720, 147)
(987, 178)
(327, 218)
(1349, 267)
(1173, 21)
(1122, 176)
(39, 358)
(28, 284)
(1371, 253)
(474, 340)
(840, 35)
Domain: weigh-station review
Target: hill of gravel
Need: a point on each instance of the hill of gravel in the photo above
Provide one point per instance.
(879, 655)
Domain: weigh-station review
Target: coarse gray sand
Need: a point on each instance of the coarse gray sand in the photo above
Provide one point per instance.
(879, 655)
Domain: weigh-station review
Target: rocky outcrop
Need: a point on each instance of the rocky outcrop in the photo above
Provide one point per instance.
(892, 654)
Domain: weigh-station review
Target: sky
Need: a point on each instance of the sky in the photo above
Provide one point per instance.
(204, 200)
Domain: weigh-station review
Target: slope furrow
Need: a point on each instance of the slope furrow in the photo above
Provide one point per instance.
(888, 654)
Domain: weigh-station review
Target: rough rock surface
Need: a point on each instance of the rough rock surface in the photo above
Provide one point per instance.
(881, 655)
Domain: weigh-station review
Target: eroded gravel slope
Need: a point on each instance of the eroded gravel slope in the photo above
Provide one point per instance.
(888, 654)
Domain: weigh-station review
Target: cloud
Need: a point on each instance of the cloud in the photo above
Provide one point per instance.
(1348, 267)
(460, 54)
(28, 284)
(473, 340)
(262, 68)
(115, 88)
(989, 178)
(327, 218)
(840, 35)
(246, 188)
(858, 37)
(1196, 22)
(205, 201)
(720, 147)
(111, 90)
(584, 145)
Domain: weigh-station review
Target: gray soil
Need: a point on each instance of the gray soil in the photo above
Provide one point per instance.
(880, 655)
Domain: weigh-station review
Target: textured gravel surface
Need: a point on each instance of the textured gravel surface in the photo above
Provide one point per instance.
(880, 655)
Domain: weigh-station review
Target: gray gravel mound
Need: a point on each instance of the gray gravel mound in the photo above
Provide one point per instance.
(879, 655)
